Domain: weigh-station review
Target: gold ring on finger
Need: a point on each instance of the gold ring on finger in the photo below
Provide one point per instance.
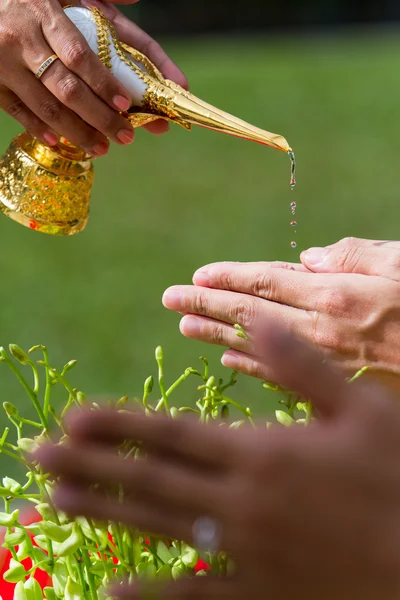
(44, 66)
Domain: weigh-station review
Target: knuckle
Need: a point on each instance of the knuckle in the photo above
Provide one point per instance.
(218, 334)
(201, 304)
(244, 311)
(50, 110)
(110, 123)
(76, 55)
(349, 241)
(9, 37)
(264, 285)
(16, 109)
(349, 258)
(226, 281)
(102, 86)
(151, 48)
(335, 301)
(70, 89)
(255, 369)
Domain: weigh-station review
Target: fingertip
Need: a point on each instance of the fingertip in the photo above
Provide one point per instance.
(201, 278)
(157, 127)
(230, 359)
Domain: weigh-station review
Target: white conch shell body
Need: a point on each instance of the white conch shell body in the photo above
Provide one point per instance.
(84, 20)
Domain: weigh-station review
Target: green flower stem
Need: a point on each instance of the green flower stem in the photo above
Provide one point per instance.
(309, 413)
(177, 383)
(82, 578)
(240, 408)
(164, 398)
(36, 380)
(29, 391)
(13, 456)
(29, 422)
(48, 385)
(4, 436)
(89, 576)
(9, 529)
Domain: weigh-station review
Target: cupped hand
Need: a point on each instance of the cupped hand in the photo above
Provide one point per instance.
(307, 512)
(350, 308)
(77, 97)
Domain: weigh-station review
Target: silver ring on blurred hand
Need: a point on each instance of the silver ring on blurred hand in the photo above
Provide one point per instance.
(207, 535)
(44, 66)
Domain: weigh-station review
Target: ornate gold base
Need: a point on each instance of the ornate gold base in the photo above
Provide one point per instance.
(46, 189)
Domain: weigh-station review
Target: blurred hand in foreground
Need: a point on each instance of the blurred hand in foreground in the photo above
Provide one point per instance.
(308, 513)
(345, 299)
(77, 96)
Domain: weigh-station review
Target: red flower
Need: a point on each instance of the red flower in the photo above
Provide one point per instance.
(201, 566)
(7, 589)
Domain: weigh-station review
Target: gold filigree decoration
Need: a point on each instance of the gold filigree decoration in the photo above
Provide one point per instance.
(103, 38)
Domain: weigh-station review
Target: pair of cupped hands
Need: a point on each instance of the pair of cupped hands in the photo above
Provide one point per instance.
(307, 513)
(77, 97)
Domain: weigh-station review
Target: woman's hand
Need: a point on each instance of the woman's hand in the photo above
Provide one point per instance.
(350, 308)
(308, 513)
(77, 96)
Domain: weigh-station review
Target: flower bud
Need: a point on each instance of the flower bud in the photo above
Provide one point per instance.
(14, 538)
(49, 593)
(10, 409)
(23, 550)
(19, 591)
(211, 382)
(19, 354)
(159, 354)
(28, 445)
(15, 573)
(236, 425)
(12, 485)
(70, 365)
(284, 419)
(122, 401)
(32, 589)
(148, 386)
(56, 533)
(45, 511)
(174, 412)
(73, 591)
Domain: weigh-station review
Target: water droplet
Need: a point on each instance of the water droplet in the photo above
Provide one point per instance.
(293, 244)
(293, 223)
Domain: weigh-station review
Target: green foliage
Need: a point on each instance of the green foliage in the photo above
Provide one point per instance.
(81, 556)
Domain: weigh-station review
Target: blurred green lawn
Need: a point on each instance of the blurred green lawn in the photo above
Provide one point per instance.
(166, 206)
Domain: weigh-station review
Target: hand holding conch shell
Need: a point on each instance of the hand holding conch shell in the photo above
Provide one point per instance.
(74, 95)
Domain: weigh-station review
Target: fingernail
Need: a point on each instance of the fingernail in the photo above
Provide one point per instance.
(230, 361)
(190, 326)
(122, 103)
(51, 138)
(202, 278)
(99, 149)
(125, 136)
(172, 299)
(315, 256)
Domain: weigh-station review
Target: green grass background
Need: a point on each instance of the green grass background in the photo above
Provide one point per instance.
(166, 206)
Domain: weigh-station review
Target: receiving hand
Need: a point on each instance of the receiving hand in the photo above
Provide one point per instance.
(350, 308)
(308, 512)
(77, 97)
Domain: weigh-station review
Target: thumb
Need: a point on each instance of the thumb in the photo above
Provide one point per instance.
(354, 257)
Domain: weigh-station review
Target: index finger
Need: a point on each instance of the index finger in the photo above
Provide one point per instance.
(298, 287)
(208, 444)
(76, 54)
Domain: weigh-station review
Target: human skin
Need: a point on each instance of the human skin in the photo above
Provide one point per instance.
(307, 512)
(345, 299)
(77, 97)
